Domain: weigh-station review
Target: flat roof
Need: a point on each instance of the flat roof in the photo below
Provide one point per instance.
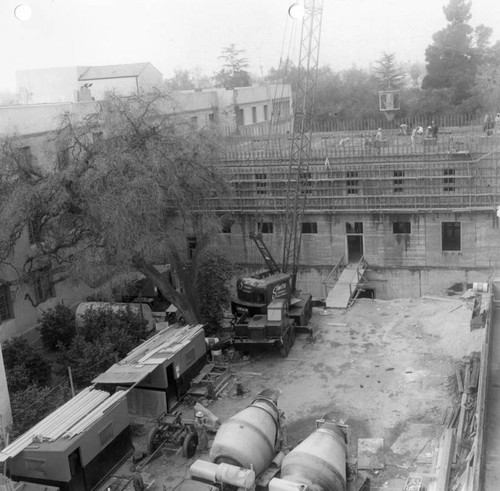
(144, 359)
(71, 419)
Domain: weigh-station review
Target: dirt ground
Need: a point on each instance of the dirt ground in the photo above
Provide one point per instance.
(382, 367)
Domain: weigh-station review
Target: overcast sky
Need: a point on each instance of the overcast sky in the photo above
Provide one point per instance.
(175, 34)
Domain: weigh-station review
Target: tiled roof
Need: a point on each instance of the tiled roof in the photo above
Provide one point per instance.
(112, 71)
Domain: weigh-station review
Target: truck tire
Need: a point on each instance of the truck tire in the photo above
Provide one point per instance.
(189, 445)
(155, 439)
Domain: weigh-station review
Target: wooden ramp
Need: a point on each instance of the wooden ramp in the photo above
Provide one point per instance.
(339, 296)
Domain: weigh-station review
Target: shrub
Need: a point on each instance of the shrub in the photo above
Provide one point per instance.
(58, 327)
(24, 363)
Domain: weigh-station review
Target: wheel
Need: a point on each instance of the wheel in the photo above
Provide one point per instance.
(189, 445)
(154, 439)
(285, 346)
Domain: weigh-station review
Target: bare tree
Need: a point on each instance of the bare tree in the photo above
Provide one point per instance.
(133, 192)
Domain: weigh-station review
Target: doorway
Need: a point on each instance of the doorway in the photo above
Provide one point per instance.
(171, 388)
(76, 471)
(354, 234)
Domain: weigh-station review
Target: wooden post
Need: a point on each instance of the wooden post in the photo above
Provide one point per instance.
(445, 459)
(71, 382)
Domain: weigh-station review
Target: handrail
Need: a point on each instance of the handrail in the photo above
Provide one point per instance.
(330, 274)
(359, 276)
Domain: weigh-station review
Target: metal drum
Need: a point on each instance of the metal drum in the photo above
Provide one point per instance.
(320, 460)
(248, 439)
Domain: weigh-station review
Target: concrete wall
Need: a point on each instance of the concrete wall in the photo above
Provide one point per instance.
(399, 264)
(35, 119)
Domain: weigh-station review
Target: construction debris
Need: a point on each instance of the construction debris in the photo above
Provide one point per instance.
(210, 382)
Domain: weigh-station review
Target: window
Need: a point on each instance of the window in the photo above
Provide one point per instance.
(306, 182)
(352, 183)
(26, 154)
(97, 137)
(449, 180)
(261, 183)
(265, 113)
(401, 227)
(398, 183)
(240, 117)
(191, 243)
(62, 158)
(450, 232)
(34, 232)
(106, 435)
(43, 286)
(190, 357)
(194, 121)
(309, 228)
(226, 229)
(265, 227)
(254, 114)
(35, 465)
(354, 228)
(211, 118)
(6, 311)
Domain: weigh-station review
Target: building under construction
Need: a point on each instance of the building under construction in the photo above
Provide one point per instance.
(410, 216)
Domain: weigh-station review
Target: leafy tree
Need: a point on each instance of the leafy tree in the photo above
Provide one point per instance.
(57, 328)
(140, 197)
(181, 80)
(24, 364)
(215, 272)
(233, 73)
(87, 359)
(125, 328)
(390, 76)
(454, 56)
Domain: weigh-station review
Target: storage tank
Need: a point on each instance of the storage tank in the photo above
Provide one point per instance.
(250, 438)
(319, 461)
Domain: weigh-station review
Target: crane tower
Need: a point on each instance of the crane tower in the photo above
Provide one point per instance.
(300, 151)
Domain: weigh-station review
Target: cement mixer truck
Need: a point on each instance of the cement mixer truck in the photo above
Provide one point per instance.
(249, 453)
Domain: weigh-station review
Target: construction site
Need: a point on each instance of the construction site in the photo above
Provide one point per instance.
(361, 348)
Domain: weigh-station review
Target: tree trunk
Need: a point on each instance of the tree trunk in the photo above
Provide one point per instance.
(183, 302)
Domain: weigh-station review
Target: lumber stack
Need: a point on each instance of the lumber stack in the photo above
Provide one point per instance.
(462, 416)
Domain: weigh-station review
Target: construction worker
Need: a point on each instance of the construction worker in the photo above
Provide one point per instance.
(201, 431)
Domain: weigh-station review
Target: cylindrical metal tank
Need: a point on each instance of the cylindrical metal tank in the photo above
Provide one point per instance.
(248, 439)
(320, 460)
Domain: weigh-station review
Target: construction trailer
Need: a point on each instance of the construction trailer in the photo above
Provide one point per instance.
(159, 371)
(76, 446)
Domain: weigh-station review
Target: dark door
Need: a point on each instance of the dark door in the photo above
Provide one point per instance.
(172, 388)
(75, 468)
(354, 248)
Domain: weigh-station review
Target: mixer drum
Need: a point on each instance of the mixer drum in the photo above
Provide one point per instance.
(248, 439)
(319, 460)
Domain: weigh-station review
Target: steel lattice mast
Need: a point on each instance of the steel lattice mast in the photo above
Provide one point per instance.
(300, 152)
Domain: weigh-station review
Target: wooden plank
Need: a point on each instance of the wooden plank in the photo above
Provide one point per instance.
(461, 421)
(474, 378)
(467, 374)
(460, 383)
(445, 460)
